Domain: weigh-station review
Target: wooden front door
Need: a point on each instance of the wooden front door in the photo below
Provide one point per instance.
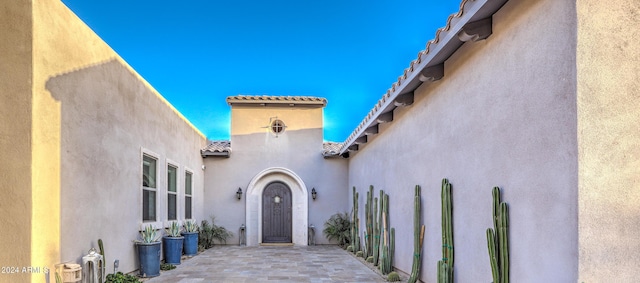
(276, 213)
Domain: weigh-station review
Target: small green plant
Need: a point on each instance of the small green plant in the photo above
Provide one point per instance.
(359, 254)
(190, 226)
(173, 230)
(393, 277)
(149, 234)
(120, 277)
(338, 228)
(209, 233)
(370, 259)
(167, 266)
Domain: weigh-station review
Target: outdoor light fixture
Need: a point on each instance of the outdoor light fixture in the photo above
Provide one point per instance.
(314, 194)
(239, 193)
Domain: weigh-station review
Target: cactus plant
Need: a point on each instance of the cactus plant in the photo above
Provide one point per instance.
(445, 266)
(376, 232)
(369, 222)
(393, 277)
(499, 245)
(387, 238)
(355, 236)
(418, 236)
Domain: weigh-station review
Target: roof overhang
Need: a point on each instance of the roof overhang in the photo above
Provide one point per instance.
(278, 101)
(471, 23)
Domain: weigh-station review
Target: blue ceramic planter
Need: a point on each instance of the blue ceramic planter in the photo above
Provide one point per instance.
(190, 243)
(173, 249)
(149, 256)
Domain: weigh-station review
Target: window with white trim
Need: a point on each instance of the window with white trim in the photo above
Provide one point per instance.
(149, 187)
(188, 176)
(172, 192)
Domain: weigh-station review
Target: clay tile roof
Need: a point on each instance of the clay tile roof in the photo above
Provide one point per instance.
(268, 99)
(217, 148)
(331, 149)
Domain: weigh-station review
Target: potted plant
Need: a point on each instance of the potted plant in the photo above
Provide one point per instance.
(149, 252)
(173, 242)
(190, 235)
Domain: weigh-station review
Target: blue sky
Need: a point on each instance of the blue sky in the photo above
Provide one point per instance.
(196, 53)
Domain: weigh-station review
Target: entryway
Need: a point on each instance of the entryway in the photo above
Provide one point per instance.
(276, 213)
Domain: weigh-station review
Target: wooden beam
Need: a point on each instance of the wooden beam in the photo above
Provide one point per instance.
(385, 117)
(475, 31)
(404, 99)
(373, 130)
(433, 73)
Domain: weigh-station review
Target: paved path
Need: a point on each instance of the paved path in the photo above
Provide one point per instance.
(270, 264)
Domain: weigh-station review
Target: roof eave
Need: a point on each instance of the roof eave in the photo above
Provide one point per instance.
(471, 23)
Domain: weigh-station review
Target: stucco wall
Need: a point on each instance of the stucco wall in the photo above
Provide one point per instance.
(504, 115)
(297, 149)
(608, 122)
(92, 116)
(15, 136)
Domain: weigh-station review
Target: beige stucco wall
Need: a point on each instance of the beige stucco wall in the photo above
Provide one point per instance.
(608, 71)
(503, 115)
(77, 118)
(255, 149)
(15, 136)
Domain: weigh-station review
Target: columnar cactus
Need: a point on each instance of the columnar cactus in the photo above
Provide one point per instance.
(387, 239)
(355, 234)
(445, 266)
(499, 246)
(418, 236)
(369, 232)
(376, 232)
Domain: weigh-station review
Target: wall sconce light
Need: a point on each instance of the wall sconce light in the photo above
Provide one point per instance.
(314, 194)
(239, 193)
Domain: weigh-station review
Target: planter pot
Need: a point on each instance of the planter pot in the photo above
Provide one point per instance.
(172, 249)
(149, 257)
(190, 243)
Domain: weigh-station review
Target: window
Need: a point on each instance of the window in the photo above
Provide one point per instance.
(149, 189)
(172, 192)
(187, 194)
(277, 126)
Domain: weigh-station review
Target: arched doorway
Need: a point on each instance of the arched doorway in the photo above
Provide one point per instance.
(299, 205)
(276, 213)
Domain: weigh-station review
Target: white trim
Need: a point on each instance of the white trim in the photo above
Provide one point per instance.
(170, 162)
(159, 182)
(184, 192)
(299, 201)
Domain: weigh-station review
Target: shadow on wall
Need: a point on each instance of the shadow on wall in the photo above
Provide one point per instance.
(106, 114)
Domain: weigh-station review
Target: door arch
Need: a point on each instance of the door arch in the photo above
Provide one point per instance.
(299, 202)
(276, 213)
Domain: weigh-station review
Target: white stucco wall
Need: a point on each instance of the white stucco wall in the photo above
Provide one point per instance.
(110, 118)
(503, 115)
(298, 150)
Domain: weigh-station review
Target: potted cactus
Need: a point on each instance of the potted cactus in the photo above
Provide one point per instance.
(149, 251)
(173, 242)
(190, 235)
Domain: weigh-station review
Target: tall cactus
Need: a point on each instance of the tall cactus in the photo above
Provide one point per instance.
(355, 234)
(445, 266)
(376, 232)
(418, 236)
(387, 239)
(369, 219)
(499, 246)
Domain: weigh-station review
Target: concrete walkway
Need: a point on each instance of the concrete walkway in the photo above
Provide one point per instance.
(270, 264)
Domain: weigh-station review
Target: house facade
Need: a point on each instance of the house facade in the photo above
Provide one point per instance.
(538, 97)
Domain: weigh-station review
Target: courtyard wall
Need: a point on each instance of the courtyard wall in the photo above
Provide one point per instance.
(503, 115)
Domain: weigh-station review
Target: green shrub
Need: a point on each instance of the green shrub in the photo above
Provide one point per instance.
(167, 266)
(209, 233)
(120, 277)
(338, 228)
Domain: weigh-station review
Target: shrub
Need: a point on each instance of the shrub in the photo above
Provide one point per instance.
(209, 233)
(120, 277)
(338, 228)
